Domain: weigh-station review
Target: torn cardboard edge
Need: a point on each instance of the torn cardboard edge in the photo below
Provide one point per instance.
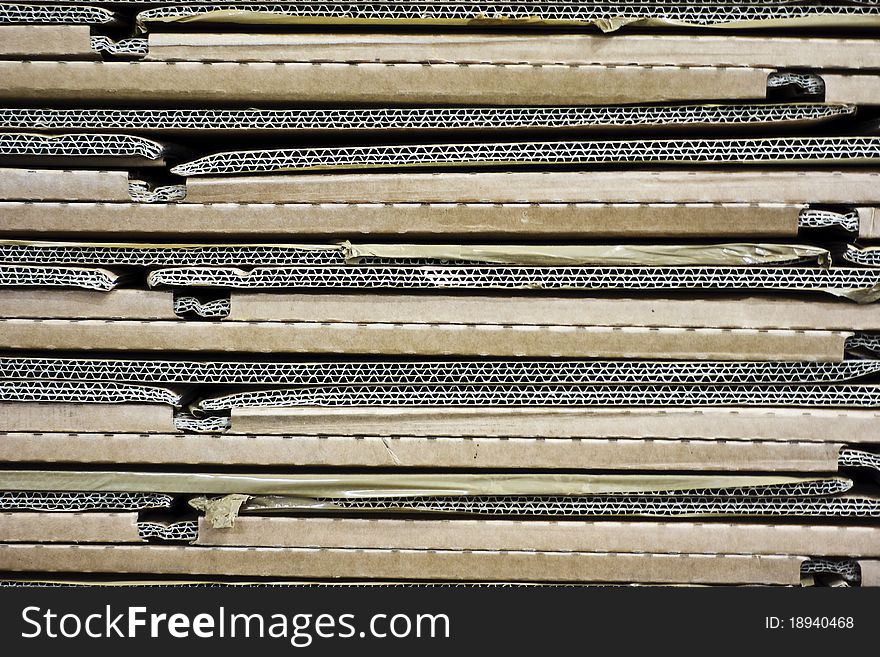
(427, 340)
(628, 117)
(425, 452)
(500, 48)
(790, 150)
(182, 254)
(397, 372)
(403, 564)
(542, 535)
(861, 285)
(783, 424)
(438, 221)
(377, 83)
(81, 149)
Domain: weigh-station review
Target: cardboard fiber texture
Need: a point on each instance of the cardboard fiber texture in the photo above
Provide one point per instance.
(405, 564)
(715, 312)
(486, 84)
(856, 88)
(485, 47)
(71, 417)
(769, 186)
(413, 219)
(26, 527)
(46, 42)
(422, 452)
(869, 223)
(80, 304)
(568, 536)
(784, 424)
(425, 339)
(60, 185)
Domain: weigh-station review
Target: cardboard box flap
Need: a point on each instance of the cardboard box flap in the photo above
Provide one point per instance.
(792, 150)
(535, 48)
(239, 372)
(407, 119)
(437, 221)
(783, 424)
(28, 527)
(417, 485)
(45, 41)
(147, 83)
(697, 186)
(80, 392)
(41, 14)
(423, 452)
(731, 311)
(69, 277)
(857, 284)
(22, 501)
(427, 340)
(87, 304)
(805, 395)
(81, 149)
(570, 535)
(396, 565)
(147, 254)
(606, 17)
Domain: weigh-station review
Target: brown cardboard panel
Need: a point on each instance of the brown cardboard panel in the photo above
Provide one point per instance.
(46, 42)
(541, 535)
(57, 185)
(788, 424)
(870, 572)
(720, 312)
(487, 84)
(424, 339)
(66, 417)
(456, 565)
(859, 89)
(26, 527)
(582, 49)
(422, 452)
(770, 186)
(347, 220)
(869, 223)
(78, 304)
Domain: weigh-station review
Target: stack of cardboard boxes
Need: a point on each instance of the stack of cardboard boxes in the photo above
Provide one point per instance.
(423, 291)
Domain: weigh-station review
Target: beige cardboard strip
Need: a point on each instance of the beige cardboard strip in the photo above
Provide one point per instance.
(405, 564)
(67, 417)
(859, 89)
(340, 82)
(500, 48)
(715, 312)
(348, 220)
(79, 304)
(386, 485)
(788, 424)
(422, 452)
(541, 535)
(869, 223)
(870, 572)
(770, 186)
(46, 42)
(26, 527)
(59, 185)
(425, 339)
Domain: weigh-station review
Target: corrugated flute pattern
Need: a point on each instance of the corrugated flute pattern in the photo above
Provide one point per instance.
(288, 298)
